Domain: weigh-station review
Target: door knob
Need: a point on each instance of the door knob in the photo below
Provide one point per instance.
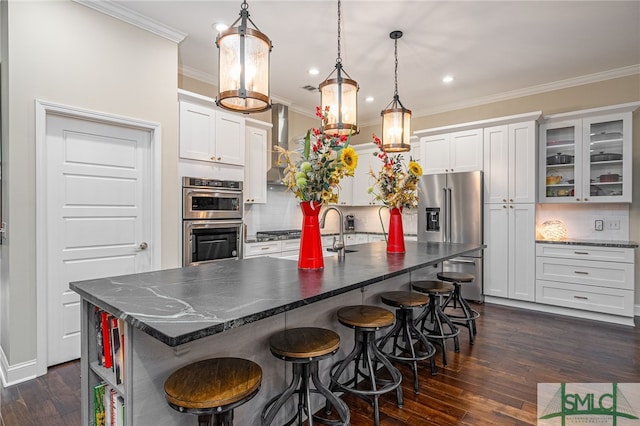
(143, 246)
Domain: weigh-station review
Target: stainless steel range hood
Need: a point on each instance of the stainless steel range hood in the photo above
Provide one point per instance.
(279, 137)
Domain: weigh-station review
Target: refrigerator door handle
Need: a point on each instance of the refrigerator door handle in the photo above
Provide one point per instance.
(449, 208)
(445, 216)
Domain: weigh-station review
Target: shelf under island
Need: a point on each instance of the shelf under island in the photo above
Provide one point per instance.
(173, 317)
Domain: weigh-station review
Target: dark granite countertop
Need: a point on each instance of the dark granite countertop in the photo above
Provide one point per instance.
(595, 243)
(180, 305)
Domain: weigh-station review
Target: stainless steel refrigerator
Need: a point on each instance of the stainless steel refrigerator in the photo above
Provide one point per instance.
(450, 210)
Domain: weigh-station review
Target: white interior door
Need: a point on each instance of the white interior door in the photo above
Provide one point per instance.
(98, 216)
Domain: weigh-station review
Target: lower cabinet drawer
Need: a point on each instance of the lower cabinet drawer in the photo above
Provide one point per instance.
(262, 249)
(615, 275)
(586, 297)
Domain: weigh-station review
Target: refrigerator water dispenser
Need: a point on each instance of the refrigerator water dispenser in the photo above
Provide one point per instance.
(433, 219)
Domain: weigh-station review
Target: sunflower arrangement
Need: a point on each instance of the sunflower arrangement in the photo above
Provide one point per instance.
(396, 185)
(314, 171)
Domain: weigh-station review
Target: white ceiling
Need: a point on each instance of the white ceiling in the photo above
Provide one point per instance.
(494, 49)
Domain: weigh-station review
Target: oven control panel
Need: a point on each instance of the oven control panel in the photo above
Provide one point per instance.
(192, 182)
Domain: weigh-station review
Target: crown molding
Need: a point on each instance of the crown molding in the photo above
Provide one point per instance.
(534, 90)
(111, 8)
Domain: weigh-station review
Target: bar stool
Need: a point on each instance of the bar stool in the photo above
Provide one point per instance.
(212, 388)
(304, 347)
(442, 327)
(468, 316)
(366, 320)
(414, 345)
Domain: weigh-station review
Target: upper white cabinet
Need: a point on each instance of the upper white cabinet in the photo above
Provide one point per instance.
(255, 171)
(362, 180)
(510, 163)
(209, 134)
(451, 152)
(586, 156)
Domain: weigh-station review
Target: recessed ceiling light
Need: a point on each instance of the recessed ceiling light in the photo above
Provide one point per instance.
(220, 27)
(314, 71)
(369, 99)
(447, 79)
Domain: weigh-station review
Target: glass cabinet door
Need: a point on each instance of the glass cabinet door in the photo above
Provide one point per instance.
(561, 156)
(605, 160)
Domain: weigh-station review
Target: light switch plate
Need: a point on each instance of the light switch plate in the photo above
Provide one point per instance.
(599, 225)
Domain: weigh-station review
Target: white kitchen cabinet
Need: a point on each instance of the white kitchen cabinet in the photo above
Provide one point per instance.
(362, 180)
(452, 152)
(260, 249)
(351, 239)
(207, 134)
(586, 156)
(509, 258)
(510, 163)
(255, 170)
(345, 192)
(594, 279)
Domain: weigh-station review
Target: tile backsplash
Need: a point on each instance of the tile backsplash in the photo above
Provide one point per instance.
(579, 220)
(282, 212)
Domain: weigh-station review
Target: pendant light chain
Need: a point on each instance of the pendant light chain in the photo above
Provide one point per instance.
(395, 94)
(339, 59)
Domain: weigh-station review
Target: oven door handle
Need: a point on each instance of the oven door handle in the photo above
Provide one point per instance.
(212, 194)
(462, 261)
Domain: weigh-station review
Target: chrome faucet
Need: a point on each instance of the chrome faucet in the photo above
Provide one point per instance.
(337, 245)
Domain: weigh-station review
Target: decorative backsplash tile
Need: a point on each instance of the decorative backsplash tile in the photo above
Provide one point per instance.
(282, 212)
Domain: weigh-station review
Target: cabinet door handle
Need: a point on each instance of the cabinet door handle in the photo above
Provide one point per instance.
(265, 248)
(213, 158)
(581, 252)
(510, 206)
(580, 272)
(586, 199)
(581, 297)
(577, 199)
(511, 200)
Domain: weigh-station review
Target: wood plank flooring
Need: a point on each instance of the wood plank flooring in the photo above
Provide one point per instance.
(493, 382)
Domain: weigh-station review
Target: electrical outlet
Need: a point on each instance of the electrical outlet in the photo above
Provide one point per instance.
(599, 225)
(612, 224)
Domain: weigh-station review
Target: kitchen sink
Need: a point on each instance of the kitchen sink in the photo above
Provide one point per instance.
(345, 250)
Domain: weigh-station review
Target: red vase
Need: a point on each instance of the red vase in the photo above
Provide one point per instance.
(395, 240)
(310, 256)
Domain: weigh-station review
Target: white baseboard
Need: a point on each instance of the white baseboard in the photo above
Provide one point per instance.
(17, 373)
(596, 316)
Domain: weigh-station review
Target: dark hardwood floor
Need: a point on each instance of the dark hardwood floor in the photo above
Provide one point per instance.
(493, 382)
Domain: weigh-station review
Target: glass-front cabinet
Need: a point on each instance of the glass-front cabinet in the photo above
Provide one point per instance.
(586, 159)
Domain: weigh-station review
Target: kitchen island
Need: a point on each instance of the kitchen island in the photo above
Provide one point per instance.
(230, 308)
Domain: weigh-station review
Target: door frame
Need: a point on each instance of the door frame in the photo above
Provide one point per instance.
(153, 178)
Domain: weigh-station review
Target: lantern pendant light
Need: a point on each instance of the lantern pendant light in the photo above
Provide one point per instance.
(396, 119)
(243, 66)
(339, 94)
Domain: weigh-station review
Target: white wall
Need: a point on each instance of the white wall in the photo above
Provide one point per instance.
(66, 53)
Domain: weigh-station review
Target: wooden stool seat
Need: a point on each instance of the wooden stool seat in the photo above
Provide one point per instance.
(440, 326)
(304, 347)
(213, 387)
(365, 357)
(435, 287)
(408, 344)
(304, 342)
(365, 316)
(458, 277)
(404, 299)
(466, 318)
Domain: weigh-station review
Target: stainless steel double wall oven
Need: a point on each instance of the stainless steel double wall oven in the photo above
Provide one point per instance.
(211, 219)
